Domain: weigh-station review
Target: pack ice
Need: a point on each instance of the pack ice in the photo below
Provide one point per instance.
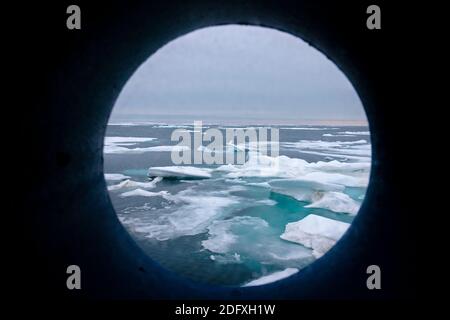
(315, 232)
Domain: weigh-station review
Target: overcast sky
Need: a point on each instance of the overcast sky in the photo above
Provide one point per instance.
(240, 72)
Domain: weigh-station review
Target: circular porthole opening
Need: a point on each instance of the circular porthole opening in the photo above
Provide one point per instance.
(237, 155)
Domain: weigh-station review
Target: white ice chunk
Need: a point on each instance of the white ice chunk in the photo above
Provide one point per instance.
(221, 238)
(252, 237)
(126, 140)
(337, 202)
(315, 232)
(168, 148)
(115, 149)
(336, 135)
(357, 150)
(180, 172)
(191, 218)
(132, 184)
(308, 184)
(363, 133)
(115, 176)
(307, 128)
(144, 193)
(267, 202)
(334, 172)
(276, 276)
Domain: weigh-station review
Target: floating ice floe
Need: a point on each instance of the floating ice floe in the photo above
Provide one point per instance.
(307, 128)
(127, 141)
(335, 201)
(323, 184)
(235, 258)
(337, 135)
(118, 144)
(168, 148)
(189, 131)
(320, 195)
(180, 172)
(253, 238)
(315, 232)
(356, 174)
(221, 237)
(115, 149)
(340, 167)
(132, 123)
(173, 126)
(362, 133)
(133, 184)
(347, 180)
(144, 193)
(356, 150)
(267, 202)
(276, 276)
(190, 127)
(115, 177)
(196, 211)
(304, 184)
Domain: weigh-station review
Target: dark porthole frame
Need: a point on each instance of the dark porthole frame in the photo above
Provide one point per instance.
(71, 218)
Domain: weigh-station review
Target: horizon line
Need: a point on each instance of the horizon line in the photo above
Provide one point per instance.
(211, 119)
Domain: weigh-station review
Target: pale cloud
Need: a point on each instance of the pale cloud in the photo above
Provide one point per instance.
(242, 72)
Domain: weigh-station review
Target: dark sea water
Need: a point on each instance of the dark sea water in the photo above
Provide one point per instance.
(226, 229)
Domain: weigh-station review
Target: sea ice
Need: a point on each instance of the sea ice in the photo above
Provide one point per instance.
(115, 176)
(195, 211)
(115, 149)
(305, 181)
(363, 133)
(276, 276)
(126, 140)
(357, 150)
(252, 237)
(180, 172)
(335, 201)
(132, 184)
(315, 232)
(145, 193)
(259, 165)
